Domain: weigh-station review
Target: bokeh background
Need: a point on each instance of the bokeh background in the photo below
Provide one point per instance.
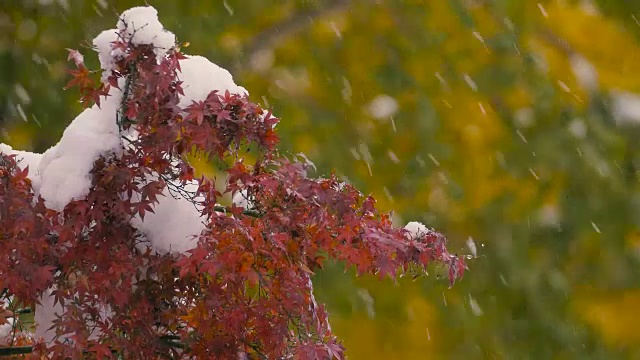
(509, 125)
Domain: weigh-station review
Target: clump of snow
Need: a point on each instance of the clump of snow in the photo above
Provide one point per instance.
(106, 54)
(65, 168)
(417, 229)
(174, 225)
(176, 222)
(140, 25)
(200, 76)
(26, 159)
(383, 106)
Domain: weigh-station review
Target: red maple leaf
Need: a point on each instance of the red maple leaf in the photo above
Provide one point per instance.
(197, 110)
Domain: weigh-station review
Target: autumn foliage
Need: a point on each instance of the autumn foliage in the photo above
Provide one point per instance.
(245, 290)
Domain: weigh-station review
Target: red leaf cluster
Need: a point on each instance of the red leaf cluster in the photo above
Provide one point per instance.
(82, 79)
(244, 291)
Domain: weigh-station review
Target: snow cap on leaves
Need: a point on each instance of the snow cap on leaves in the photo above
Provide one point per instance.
(141, 26)
(65, 168)
(417, 229)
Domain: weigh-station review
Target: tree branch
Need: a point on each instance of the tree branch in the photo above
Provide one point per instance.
(16, 350)
(272, 36)
(169, 340)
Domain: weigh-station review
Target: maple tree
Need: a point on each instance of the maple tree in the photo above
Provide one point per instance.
(243, 288)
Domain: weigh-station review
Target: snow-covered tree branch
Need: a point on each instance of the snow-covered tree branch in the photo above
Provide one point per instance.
(125, 252)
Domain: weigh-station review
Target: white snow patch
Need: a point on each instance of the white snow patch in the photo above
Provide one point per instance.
(200, 76)
(26, 159)
(65, 168)
(175, 224)
(106, 54)
(417, 229)
(173, 227)
(140, 25)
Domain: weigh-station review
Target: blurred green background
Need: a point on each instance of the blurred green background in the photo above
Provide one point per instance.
(509, 125)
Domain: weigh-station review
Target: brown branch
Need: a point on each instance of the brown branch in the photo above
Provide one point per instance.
(275, 34)
(169, 340)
